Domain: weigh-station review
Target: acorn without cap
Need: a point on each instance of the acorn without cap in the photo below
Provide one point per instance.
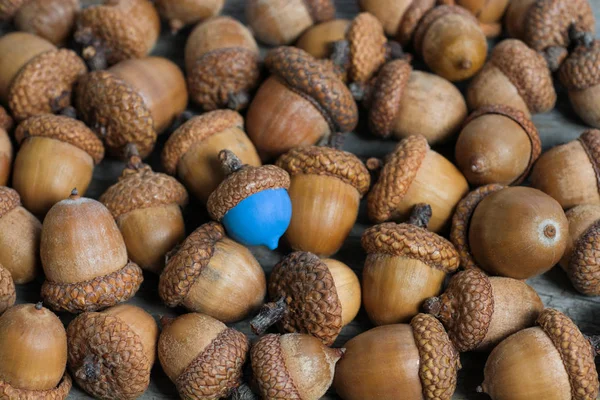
(8, 294)
(319, 39)
(6, 148)
(85, 258)
(52, 20)
(180, 13)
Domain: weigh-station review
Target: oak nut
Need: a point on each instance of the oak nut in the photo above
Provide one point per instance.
(202, 356)
(8, 294)
(485, 157)
(84, 258)
(302, 102)
(52, 20)
(488, 13)
(399, 18)
(555, 352)
(192, 151)
(516, 232)
(319, 39)
(211, 274)
(111, 353)
(425, 363)
(414, 174)
(33, 350)
(56, 154)
(6, 148)
(147, 208)
(310, 295)
(132, 102)
(293, 366)
(181, 13)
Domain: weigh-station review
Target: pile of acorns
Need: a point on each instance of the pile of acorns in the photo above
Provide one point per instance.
(66, 108)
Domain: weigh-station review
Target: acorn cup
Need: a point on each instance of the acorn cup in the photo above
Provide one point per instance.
(488, 12)
(6, 148)
(181, 13)
(192, 151)
(52, 20)
(132, 102)
(147, 208)
(85, 258)
(319, 39)
(8, 294)
(310, 295)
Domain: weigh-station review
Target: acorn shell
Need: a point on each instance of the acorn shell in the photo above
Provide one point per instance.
(367, 47)
(584, 264)
(582, 69)
(411, 19)
(8, 294)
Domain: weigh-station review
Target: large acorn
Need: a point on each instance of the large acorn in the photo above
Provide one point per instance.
(147, 208)
(85, 258)
(319, 39)
(180, 13)
(6, 148)
(8, 294)
(52, 20)
(212, 274)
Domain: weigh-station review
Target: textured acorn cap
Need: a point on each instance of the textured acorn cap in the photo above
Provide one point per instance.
(8, 294)
(196, 130)
(412, 16)
(327, 161)
(8, 8)
(320, 10)
(6, 122)
(584, 265)
(268, 365)
(435, 14)
(317, 83)
(575, 351)
(582, 69)
(62, 128)
(59, 393)
(9, 200)
(590, 141)
(367, 42)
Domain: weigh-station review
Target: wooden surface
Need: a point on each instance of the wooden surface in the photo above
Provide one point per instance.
(554, 288)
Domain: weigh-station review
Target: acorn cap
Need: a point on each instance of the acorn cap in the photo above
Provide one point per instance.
(327, 161)
(116, 112)
(196, 130)
(439, 359)
(412, 16)
(528, 72)
(582, 69)
(6, 122)
(317, 83)
(58, 393)
(45, 83)
(432, 16)
(8, 294)
(9, 200)
(575, 351)
(584, 265)
(62, 128)
(590, 141)
(320, 10)
(368, 50)
(8, 8)
(268, 364)
(308, 289)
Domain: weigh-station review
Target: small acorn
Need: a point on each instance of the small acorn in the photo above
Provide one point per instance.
(310, 295)
(293, 366)
(417, 361)
(8, 294)
(516, 232)
(147, 208)
(181, 13)
(319, 39)
(85, 258)
(132, 102)
(414, 174)
(398, 17)
(488, 12)
(111, 353)
(52, 20)
(6, 148)
(211, 274)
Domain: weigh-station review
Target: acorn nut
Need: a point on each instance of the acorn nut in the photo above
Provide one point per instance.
(488, 12)
(8, 294)
(398, 17)
(319, 39)
(6, 148)
(180, 13)
(52, 20)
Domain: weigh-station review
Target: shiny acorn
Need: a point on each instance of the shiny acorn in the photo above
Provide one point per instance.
(52, 20)
(488, 12)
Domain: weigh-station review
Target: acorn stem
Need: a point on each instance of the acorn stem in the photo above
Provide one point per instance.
(420, 216)
(432, 306)
(89, 370)
(579, 38)
(92, 50)
(394, 51)
(269, 314)
(60, 105)
(243, 392)
(39, 305)
(229, 162)
(133, 156)
(340, 52)
(239, 100)
(74, 194)
(595, 342)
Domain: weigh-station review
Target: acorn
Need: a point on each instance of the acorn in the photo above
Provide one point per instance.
(485, 157)
(399, 18)
(211, 274)
(20, 234)
(36, 77)
(252, 202)
(192, 151)
(293, 366)
(8, 294)
(56, 153)
(33, 350)
(222, 64)
(116, 30)
(202, 356)
(555, 352)
(488, 13)
(52, 20)
(570, 172)
(405, 265)
(302, 102)
(132, 102)
(85, 258)
(425, 363)
(181, 13)
(319, 39)
(310, 295)
(516, 232)
(515, 76)
(281, 22)
(414, 174)
(111, 353)
(147, 208)
(6, 148)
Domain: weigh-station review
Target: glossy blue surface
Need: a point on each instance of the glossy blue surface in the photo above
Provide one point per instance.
(260, 219)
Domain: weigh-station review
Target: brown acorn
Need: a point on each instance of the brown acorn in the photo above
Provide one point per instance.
(33, 350)
(132, 102)
(405, 265)
(202, 356)
(319, 39)
(414, 174)
(293, 366)
(36, 77)
(417, 361)
(302, 102)
(6, 148)
(56, 154)
(180, 13)
(570, 172)
(111, 353)
(485, 157)
(85, 258)
(147, 208)
(221, 58)
(488, 12)
(8, 294)
(52, 20)
(20, 234)
(517, 232)
(398, 17)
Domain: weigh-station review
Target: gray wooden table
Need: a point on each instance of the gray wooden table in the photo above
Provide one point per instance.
(556, 127)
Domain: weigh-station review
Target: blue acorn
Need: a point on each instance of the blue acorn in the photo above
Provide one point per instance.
(252, 202)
